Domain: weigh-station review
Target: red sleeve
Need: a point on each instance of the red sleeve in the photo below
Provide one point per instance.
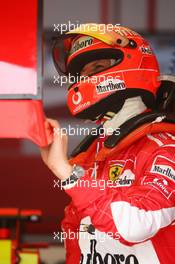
(138, 213)
(70, 225)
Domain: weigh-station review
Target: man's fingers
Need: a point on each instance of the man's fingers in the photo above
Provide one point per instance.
(53, 122)
(52, 127)
(65, 143)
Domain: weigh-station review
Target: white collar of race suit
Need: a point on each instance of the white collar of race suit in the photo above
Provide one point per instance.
(131, 108)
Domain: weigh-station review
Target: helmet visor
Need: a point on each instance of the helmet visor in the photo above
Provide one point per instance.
(63, 44)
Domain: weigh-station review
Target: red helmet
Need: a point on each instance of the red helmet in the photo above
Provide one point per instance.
(134, 73)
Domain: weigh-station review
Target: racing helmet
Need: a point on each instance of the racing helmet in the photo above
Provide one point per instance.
(133, 70)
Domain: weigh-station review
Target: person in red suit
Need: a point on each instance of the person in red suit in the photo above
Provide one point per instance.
(122, 184)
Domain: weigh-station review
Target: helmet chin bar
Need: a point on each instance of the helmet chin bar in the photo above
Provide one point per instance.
(113, 104)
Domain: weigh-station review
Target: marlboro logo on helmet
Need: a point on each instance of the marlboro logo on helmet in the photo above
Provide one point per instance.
(112, 85)
(81, 43)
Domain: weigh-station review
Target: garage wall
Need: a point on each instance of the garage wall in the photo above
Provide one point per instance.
(139, 14)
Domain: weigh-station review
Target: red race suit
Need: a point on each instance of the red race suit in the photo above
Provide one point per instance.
(126, 215)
